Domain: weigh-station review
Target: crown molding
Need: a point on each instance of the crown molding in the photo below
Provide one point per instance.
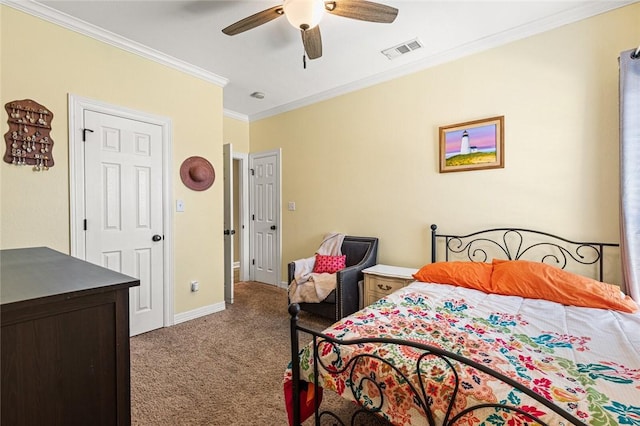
(235, 115)
(586, 11)
(74, 24)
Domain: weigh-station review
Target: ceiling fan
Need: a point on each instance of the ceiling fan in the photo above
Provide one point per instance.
(306, 15)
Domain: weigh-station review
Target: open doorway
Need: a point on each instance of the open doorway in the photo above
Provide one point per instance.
(240, 218)
(236, 218)
(259, 252)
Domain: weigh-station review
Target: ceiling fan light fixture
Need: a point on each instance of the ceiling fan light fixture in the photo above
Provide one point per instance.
(304, 14)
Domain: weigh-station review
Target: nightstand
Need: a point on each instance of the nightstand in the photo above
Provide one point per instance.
(382, 280)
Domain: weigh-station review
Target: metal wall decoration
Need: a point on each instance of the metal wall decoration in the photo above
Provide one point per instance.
(28, 139)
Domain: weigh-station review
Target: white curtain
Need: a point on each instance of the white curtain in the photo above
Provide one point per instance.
(630, 170)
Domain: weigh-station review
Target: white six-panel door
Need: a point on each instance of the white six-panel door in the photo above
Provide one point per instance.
(124, 208)
(265, 218)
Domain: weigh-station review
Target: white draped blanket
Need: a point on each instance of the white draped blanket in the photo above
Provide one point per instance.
(309, 287)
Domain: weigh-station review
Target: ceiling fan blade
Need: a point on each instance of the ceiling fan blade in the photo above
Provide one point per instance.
(254, 20)
(362, 10)
(312, 42)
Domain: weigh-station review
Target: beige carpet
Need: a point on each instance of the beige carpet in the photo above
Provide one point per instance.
(221, 369)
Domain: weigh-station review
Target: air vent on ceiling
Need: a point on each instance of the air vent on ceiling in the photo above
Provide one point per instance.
(401, 49)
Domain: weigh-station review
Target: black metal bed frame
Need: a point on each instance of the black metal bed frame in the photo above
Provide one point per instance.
(514, 246)
(475, 245)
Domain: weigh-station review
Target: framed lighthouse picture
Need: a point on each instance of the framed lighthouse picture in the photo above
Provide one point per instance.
(474, 145)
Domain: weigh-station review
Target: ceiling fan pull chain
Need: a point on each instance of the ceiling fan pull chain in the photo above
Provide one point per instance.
(304, 61)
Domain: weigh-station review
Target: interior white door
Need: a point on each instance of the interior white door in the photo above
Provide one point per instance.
(265, 217)
(227, 154)
(124, 209)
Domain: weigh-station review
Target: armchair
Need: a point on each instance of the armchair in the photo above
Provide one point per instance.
(361, 252)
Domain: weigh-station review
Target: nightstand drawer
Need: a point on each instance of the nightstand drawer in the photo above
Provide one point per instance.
(372, 297)
(386, 285)
(382, 280)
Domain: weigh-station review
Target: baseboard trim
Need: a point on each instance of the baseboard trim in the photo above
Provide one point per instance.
(197, 313)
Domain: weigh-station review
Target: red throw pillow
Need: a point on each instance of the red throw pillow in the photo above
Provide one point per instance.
(329, 264)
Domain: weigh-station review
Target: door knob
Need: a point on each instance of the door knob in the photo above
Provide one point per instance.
(273, 227)
(156, 237)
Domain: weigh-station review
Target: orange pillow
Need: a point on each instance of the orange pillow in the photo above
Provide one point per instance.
(475, 275)
(541, 281)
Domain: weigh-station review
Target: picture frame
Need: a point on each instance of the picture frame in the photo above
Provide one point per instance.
(473, 145)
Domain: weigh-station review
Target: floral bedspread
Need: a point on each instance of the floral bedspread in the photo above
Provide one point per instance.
(584, 360)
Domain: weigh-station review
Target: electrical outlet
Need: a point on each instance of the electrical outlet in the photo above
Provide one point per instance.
(195, 286)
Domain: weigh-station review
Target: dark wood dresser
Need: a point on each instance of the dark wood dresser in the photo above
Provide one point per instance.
(64, 340)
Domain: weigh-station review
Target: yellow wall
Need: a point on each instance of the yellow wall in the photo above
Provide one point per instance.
(366, 163)
(46, 63)
(236, 132)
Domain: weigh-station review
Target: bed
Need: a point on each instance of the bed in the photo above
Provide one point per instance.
(437, 353)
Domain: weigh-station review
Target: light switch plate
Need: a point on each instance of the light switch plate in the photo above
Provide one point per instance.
(292, 205)
(179, 205)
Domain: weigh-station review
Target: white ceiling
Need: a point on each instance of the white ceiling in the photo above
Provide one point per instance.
(268, 58)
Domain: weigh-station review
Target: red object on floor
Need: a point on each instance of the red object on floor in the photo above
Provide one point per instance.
(307, 392)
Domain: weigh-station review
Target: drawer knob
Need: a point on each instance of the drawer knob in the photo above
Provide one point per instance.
(384, 287)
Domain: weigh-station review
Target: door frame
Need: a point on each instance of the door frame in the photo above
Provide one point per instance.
(243, 214)
(77, 106)
(242, 160)
(228, 222)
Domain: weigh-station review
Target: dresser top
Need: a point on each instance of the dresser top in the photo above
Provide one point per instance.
(39, 272)
(390, 271)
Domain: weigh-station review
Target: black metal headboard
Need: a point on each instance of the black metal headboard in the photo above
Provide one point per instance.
(520, 244)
